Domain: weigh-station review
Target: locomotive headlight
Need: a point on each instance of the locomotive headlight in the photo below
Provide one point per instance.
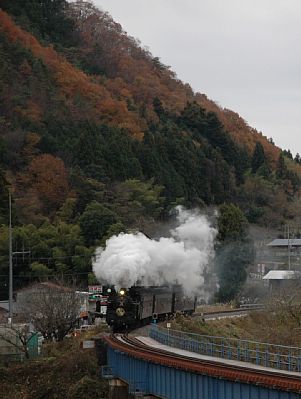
(109, 290)
(122, 292)
(120, 312)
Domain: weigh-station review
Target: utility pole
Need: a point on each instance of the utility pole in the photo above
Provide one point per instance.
(11, 254)
(10, 317)
(289, 247)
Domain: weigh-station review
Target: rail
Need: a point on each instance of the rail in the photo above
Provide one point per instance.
(262, 354)
(251, 306)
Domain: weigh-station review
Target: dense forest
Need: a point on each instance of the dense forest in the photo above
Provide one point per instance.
(98, 136)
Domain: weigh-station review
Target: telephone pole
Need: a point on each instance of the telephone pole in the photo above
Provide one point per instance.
(10, 316)
(11, 254)
(289, 247)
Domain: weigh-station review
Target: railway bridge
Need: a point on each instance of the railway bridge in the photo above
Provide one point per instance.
(176, 365)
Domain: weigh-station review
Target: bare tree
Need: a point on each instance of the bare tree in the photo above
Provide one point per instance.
(53, 309)
(282, 316)
(287, 301)
(17, 336)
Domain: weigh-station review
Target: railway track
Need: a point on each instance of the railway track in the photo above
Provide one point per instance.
(269, 378)
(206, 316)
(227, 313)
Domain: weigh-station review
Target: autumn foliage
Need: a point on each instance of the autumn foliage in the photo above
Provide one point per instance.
(135, 74)
(45, 182)
(96, 100)
(132, 75)
(98, 137)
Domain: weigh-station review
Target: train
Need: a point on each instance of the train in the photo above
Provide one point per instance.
(138, 305)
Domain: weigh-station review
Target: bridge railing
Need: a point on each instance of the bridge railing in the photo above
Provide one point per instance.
(259, 353)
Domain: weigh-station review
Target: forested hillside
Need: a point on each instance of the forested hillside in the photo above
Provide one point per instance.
(98, 136)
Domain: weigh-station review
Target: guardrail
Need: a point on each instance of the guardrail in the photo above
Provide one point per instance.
(250, 306)
(262, 354)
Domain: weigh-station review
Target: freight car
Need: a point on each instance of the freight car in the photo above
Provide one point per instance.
(136, 306)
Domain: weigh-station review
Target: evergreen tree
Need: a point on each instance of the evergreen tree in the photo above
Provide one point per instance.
(45, 18)
(206, 125)
(287, 153)
(232, 224)
(3, 199)
(194, 117)
(258, 158)
(234, 252)
(281, 168)
(294, 179)
(297, 158)
(233, 260)
(158, 108)
(242, 164)
(264, 171)
(95, 221)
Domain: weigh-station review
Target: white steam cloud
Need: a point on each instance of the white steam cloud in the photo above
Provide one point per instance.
(182, 258)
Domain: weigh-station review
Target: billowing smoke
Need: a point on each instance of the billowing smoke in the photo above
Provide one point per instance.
(181, 258)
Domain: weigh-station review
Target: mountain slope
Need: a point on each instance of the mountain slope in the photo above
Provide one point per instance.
(98, 137)
(131, 74)
(72, 82)
(108, 50)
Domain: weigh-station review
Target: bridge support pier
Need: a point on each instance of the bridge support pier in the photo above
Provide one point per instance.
(118, 389)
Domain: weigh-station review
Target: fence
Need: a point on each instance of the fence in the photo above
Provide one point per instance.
(262, 354)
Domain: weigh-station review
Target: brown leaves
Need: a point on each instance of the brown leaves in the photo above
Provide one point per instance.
(74, 84)
(132, 76)
(44, 186)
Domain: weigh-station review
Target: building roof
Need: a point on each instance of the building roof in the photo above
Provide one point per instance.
(282, 275)
(4, 304)
(284, 242)
(45, 285)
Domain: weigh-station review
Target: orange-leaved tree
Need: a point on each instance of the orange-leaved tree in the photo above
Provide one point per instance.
(45, 180)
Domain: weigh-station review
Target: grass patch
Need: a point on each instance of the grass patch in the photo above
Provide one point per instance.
(262, 326)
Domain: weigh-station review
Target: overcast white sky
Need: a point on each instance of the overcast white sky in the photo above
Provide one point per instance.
(243, 54)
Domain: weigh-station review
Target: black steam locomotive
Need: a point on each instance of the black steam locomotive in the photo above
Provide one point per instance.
(136, 306)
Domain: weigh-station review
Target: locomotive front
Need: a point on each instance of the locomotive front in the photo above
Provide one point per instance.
(121, 310)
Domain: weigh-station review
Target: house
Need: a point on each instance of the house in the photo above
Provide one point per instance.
(286, 252)
(3, 315)
(49, 291)
(278, 254)
(282, 280)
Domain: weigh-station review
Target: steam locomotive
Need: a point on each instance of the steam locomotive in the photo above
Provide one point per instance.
(137, 306)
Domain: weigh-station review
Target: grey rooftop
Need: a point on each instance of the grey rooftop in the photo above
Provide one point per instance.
(284, 242)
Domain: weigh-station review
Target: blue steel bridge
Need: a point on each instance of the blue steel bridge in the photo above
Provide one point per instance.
(177, 365)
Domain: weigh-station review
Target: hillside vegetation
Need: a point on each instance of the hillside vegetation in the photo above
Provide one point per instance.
(98, 136)
(273, 326)
(62, 372)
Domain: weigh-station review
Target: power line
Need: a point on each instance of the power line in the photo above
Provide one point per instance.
(48, 275)
(59, 257)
